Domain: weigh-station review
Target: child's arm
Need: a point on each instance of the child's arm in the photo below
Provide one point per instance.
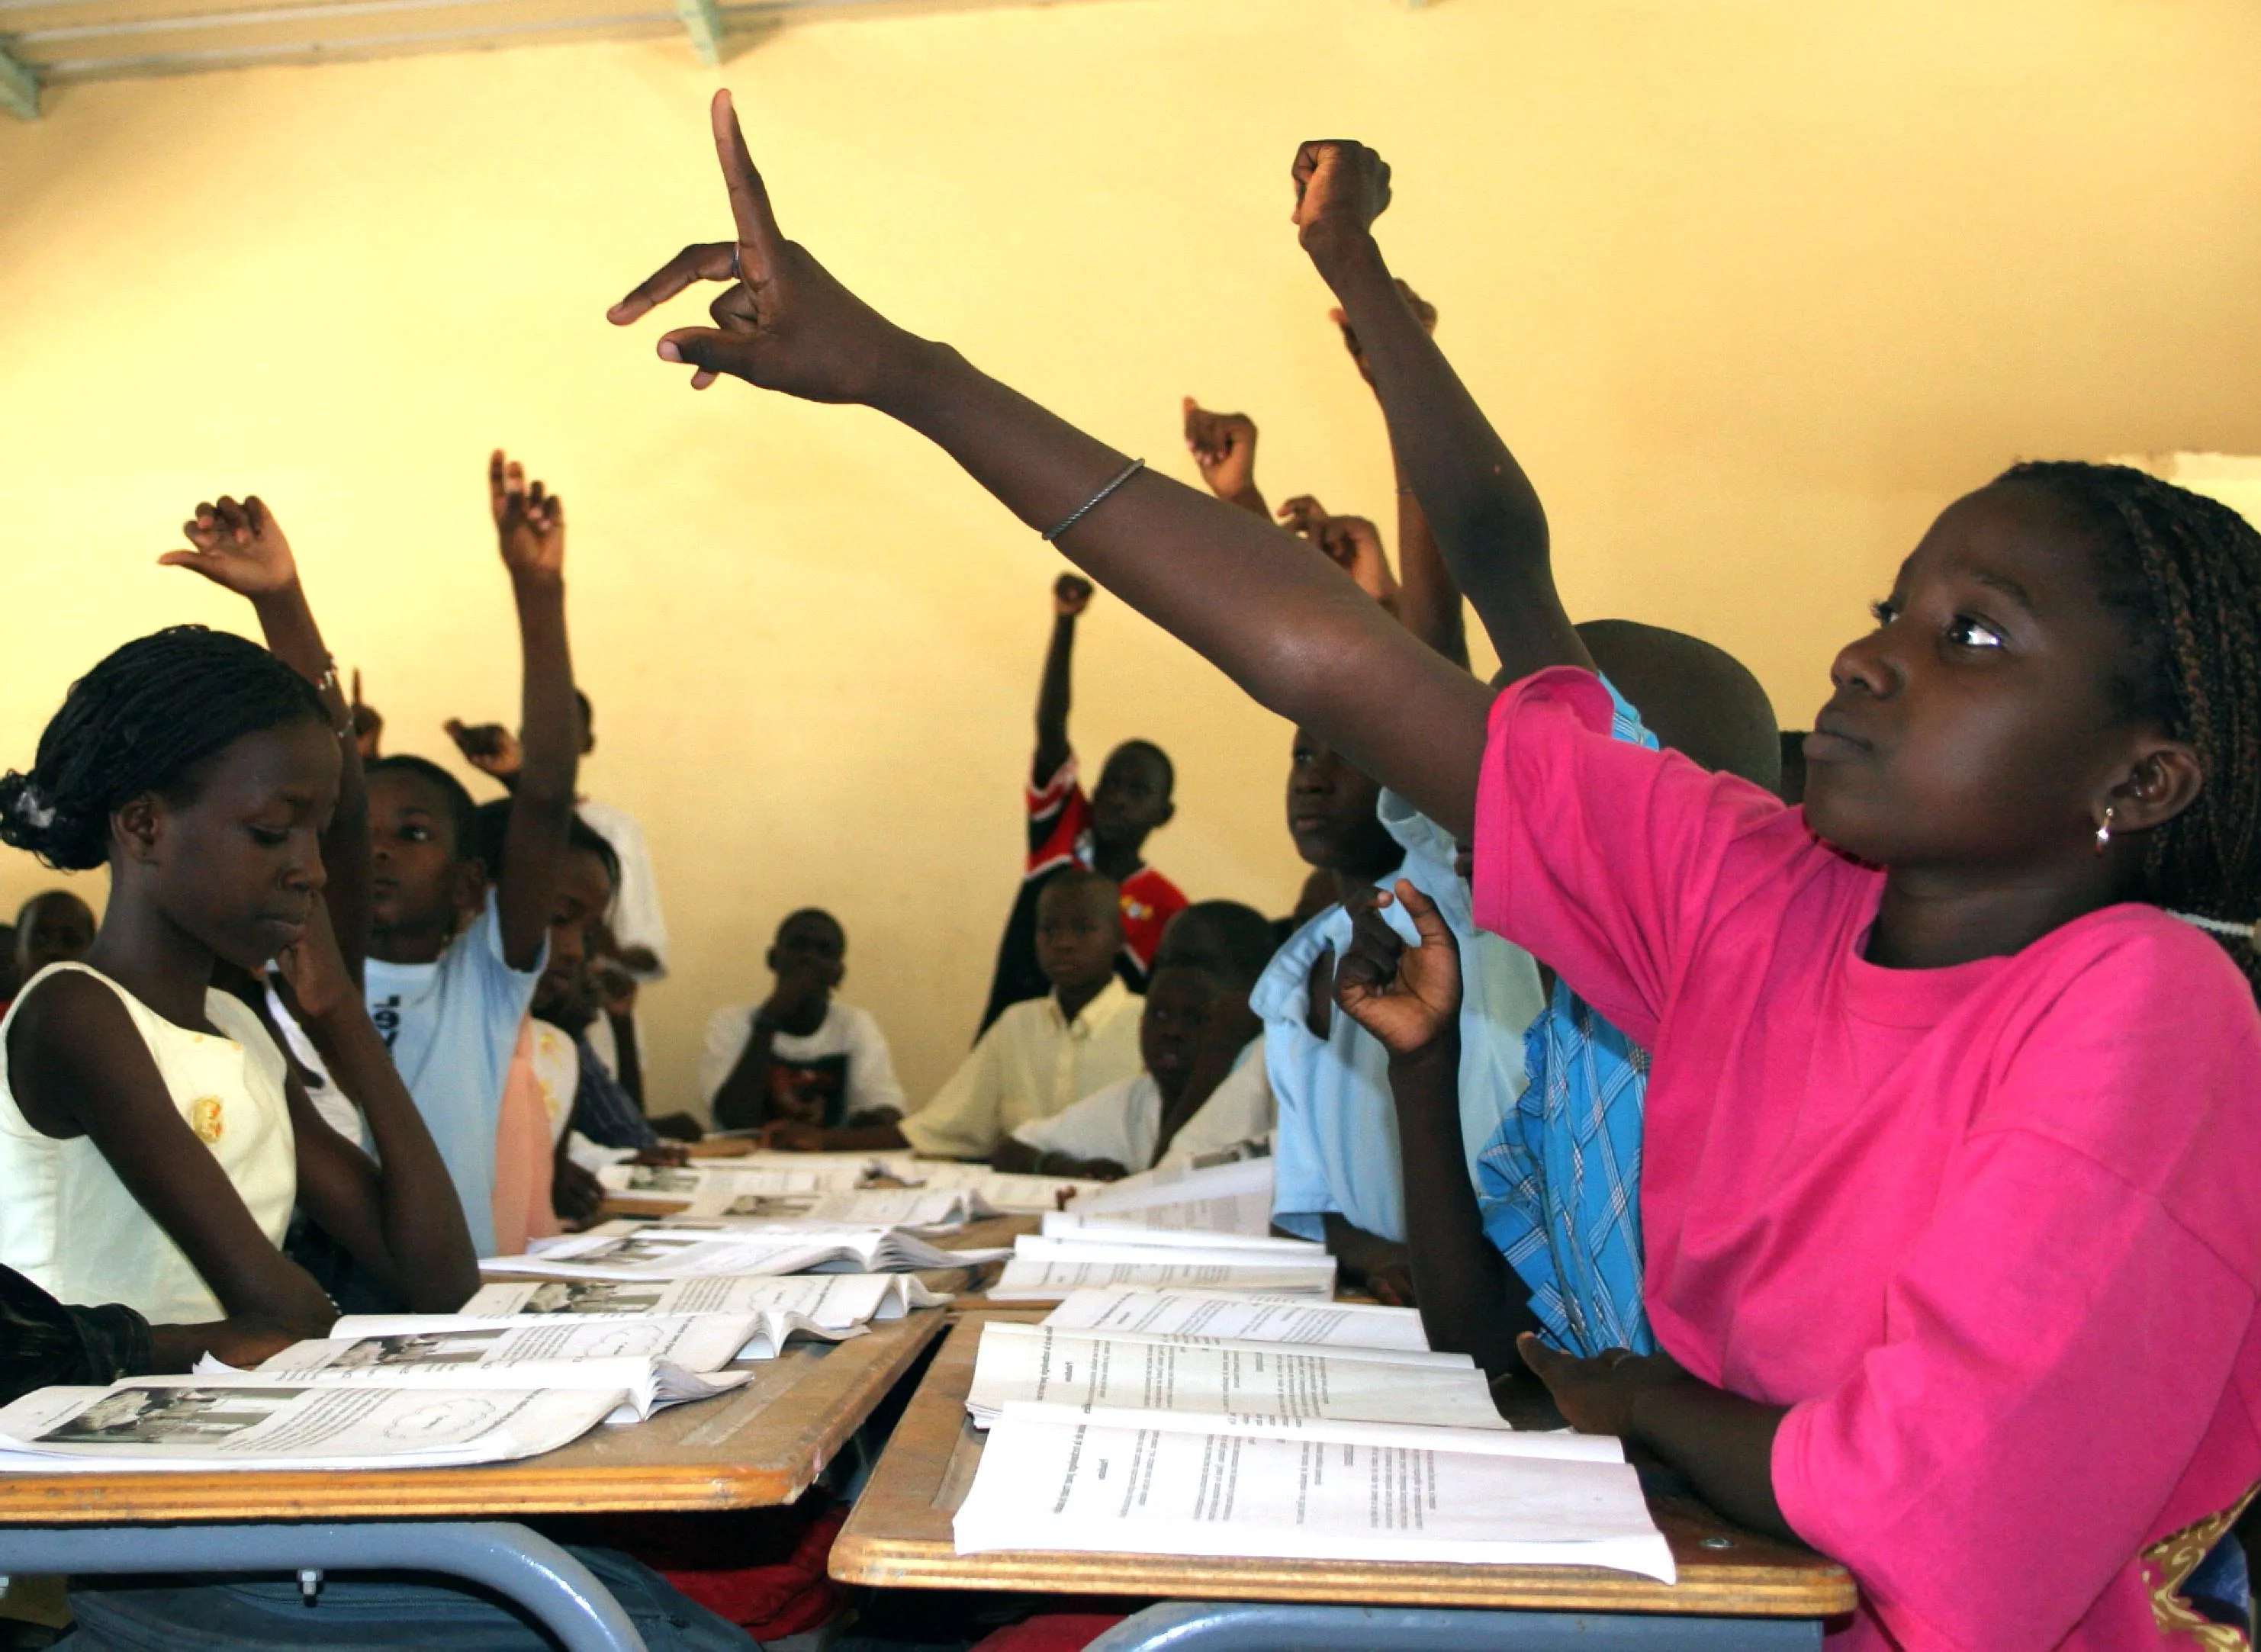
(1429, 602)
(1070, 596)
(1297, 635)
(530, 525)
(1410, 999)
(78, 1067)
(1482, 509)
(404, 1223)
(1223, 445)
(1024, 1159)
(790, 1135)
(240, 548)
(1352, 543)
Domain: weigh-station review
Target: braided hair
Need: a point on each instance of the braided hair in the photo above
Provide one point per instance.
(2183, 573)
(138, 722)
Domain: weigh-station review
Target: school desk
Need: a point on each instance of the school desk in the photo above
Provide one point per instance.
(1736, 1589)
(758, 1446)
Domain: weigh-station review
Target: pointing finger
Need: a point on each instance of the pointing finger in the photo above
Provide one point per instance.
(710, 261)
(750, 199)
(1427, 921)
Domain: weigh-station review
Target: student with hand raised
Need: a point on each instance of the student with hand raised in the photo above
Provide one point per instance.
(1951, 1099)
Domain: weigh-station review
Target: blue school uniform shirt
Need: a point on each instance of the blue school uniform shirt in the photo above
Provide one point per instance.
(451, 1026)
(1335, 1147)
(1560, 1182)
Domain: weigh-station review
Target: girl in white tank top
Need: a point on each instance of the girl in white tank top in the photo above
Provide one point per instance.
(152, 1142)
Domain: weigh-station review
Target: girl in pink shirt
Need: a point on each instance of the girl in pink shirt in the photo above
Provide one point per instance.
(1953, 1235)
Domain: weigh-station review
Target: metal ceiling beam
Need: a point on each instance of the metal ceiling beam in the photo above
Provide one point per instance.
(19, 89)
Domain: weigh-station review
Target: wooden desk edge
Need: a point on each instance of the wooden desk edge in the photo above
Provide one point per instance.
(904, 1485)
(536, 1485)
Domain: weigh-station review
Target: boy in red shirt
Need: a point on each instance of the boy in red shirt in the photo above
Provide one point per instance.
(1103, 832)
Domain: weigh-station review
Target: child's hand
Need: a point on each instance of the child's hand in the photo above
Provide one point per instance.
(488, 747)
(1341, 187)
(1223, 445)
(1424, 312)
(240, 548)
(1352, 543)
(314, 982)
(783, 324)
(1070, 595)
(529, 523)
(575, 1195)
(1597, 1396)
(368, 725)
(1407, 996)
(790, 1135)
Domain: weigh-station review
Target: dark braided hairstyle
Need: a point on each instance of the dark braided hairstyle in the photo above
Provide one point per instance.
(2184, 571)
(138, 722)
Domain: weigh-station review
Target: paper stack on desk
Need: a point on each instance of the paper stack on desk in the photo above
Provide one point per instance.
(1220, 1315)
(1235, 1197)
(1003, 1191)
(202, 1424)
(782, 1303)
(633, 1251)
(1046, 1267)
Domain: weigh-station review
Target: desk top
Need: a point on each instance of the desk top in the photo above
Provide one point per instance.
(899, 1536)
(757, 1446)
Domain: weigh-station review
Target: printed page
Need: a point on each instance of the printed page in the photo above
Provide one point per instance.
(1278, 1385)
(1199, 1316)
(645, 1385)
(687, 1250)
(867, 1207)
(1227, 1248)
(697, 1342)
(766, 1332)
(880, 1250)
(1035, 1279)
(1514, 1442)
(1002, 1191)
(1370, 1356)
(1160, 1227)
(834, 1301)
(200, 1422)
(1231, 1184)
(1056, 1485)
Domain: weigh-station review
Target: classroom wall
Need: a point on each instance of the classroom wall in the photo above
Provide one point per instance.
(1754, 287)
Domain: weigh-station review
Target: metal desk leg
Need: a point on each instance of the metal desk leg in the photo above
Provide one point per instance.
(556, 1590)
(1189, 1626)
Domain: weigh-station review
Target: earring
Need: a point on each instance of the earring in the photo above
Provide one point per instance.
(2104, 830)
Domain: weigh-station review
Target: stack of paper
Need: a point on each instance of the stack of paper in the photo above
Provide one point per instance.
(202, 1424)
(630, 1250)
(1282, 1386)
(1227, 1199)
(1002, 1191)
(936, 1211)
(1047, 1267)
(1155, 1482)
(830, 1301)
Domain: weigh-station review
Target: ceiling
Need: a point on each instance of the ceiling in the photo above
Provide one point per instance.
(45, 43)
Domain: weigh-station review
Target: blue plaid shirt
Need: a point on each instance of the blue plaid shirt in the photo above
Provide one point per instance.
(1559, 1180)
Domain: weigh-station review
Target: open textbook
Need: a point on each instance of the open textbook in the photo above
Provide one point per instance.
(199, 1424)
(1234, 1198)
(685, 1184)
(832, 1301)
(927, 1211)
(627, 1251)
(1278, 1385)
(1133, 1485)
(1218, 1316)
(1001, 1189)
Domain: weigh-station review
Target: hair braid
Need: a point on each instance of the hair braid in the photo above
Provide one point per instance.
(2184, 573)
(138, 722)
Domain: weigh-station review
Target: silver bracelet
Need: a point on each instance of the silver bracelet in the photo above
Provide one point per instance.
(1096, 499)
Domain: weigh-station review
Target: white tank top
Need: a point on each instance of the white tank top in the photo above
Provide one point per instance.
(67, 1222)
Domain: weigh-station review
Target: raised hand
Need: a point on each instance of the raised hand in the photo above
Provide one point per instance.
(1407, 996)
(530, 522)
(1352, 543)
(368, 723)
(1223, 445)
(784, 323)
(1424, 312)
(1070, 595)
(1341, 187)
(488, 747)
(238, 547)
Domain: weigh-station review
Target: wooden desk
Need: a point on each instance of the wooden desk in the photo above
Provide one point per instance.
(758, 1446)
(899, 1537)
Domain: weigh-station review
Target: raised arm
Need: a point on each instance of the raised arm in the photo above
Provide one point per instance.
(1223, 445)
(1296, 633)
(1429, 603)
(1070, 596)
(530, 526)
(241, 548)
(1485, 514)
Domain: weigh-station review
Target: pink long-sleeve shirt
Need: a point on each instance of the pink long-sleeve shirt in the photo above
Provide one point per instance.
(1991, 1232)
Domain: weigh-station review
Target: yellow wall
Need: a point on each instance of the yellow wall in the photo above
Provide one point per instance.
(1754, 285)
